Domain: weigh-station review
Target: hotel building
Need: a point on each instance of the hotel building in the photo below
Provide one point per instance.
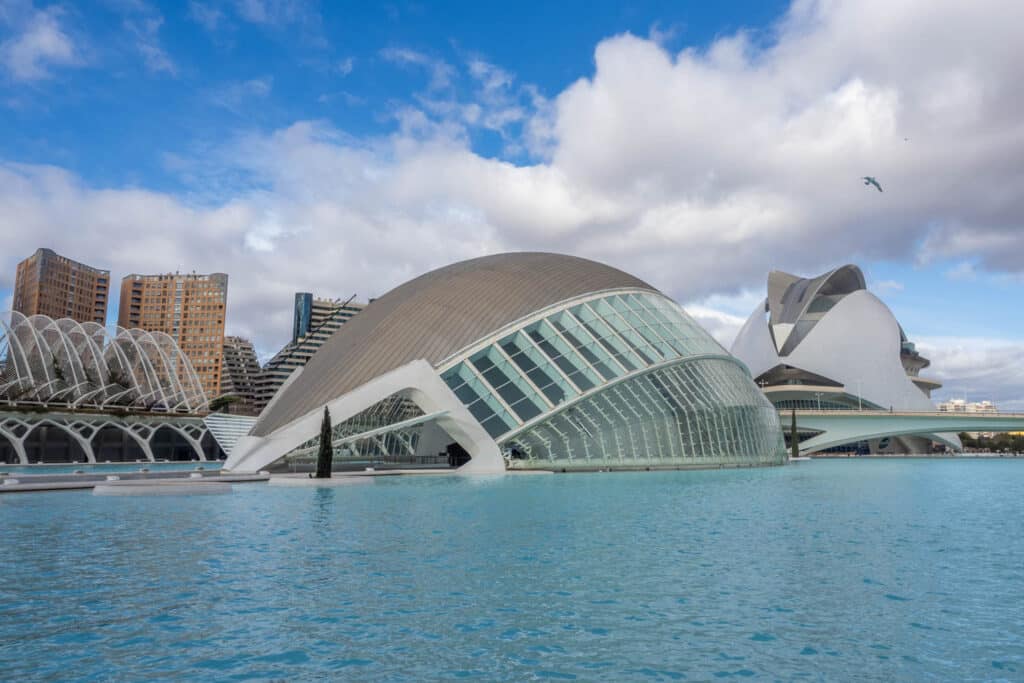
(187, 307)
(49, 284)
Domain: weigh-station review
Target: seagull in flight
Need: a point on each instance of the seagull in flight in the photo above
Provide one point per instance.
(869, 180)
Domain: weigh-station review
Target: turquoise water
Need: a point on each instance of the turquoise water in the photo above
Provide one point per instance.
(840, 570)
(109, 468)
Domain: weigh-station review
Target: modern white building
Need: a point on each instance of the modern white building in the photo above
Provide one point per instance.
(827, 343)
(525, 361)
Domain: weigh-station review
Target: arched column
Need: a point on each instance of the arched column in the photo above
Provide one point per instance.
(83, 444)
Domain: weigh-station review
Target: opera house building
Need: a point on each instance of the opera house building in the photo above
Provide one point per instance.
(827, 343)
(521, 361)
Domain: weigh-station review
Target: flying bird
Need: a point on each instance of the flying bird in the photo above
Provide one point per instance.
(869, 180)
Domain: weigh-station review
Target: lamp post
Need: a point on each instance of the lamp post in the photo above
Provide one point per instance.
(817, 394)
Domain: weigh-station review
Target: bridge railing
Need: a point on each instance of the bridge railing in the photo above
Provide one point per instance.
(904, 413)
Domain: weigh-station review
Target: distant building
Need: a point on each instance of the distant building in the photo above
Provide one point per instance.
(959, 405)
(49, 284)
(240, 375)
(315, 320)
(187, 307)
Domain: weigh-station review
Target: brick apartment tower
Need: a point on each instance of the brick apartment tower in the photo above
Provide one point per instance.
(50, 284)
(188, 307)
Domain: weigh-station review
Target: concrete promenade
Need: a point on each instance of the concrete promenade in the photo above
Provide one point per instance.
(24, 483)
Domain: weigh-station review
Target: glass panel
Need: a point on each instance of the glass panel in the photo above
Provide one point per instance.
(509, 384)
(561, 355)
(581, 340)
(538, 368)
(641, 322)
(608, 339)
(639, 345)
(481, 404)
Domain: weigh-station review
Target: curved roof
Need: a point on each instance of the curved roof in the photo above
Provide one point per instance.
(790, 299)
(433, 317)
(789, 296)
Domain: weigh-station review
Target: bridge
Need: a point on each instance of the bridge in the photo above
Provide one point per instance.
(838, 427)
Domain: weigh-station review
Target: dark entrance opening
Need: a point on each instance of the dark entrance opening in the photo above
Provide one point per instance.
(113, 444)
(48, 443)
(168, 444)
(8, 456)
(457, 455)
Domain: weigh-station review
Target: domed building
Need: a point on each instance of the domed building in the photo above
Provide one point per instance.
(826, 343)
(521, 361)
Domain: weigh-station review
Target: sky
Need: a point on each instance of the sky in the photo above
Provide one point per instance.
(343, 148)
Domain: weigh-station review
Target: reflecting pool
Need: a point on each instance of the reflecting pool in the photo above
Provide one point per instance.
(829, 570)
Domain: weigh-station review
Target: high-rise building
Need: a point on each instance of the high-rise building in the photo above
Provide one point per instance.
(314, 322)
(47, 283)
(240, 375)
(188, 307)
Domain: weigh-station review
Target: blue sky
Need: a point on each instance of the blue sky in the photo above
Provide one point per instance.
(226, 67)
(344, 147)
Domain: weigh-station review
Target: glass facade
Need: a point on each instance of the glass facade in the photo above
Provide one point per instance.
(650, 393)
(395, 446)
(699, 413)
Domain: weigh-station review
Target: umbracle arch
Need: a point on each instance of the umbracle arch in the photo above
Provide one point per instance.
(169, 443)
(35, 349)
(11, 450)
(44, 441)
(131, 448)
(121, 379)
(70, 364)
(65, 361)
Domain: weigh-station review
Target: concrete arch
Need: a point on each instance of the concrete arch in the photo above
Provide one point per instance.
(83, 445)
(17, 450)
(128, 437)
(179, 438)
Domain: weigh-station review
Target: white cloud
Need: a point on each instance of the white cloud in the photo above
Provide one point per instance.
(39, 43)
(698, 171)
(962, 271)
(977, 368)
(887, 286)
(441, 72)
(723, 326)
(238, 96)
(206, 15)
(346, 65)
(143, 24)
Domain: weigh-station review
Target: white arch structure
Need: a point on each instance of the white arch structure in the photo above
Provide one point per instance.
(64, 363)
(16, 428)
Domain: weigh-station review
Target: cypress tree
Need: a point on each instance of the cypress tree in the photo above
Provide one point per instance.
(325, 456)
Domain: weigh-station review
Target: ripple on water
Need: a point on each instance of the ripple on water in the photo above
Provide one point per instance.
(845, 569)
